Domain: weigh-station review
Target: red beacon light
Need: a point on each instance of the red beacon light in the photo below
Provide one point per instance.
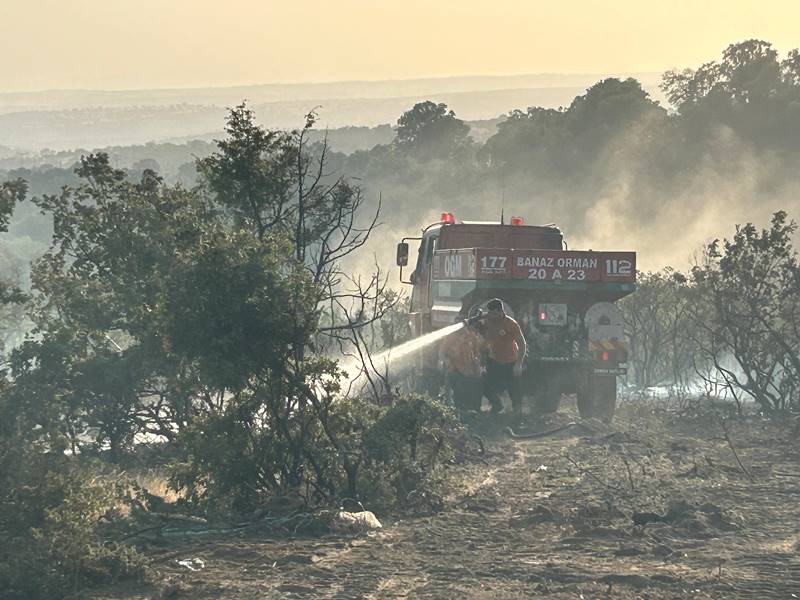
(517, 221)
(448, 218)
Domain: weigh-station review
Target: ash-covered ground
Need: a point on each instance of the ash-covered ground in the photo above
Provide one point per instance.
(655, 505)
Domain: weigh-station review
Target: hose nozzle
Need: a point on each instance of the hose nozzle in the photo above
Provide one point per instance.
(474, 319)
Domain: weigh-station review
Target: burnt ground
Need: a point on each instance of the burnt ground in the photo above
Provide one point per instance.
(653, 506)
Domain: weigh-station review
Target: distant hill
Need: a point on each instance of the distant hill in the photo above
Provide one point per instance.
(175, 153)
(224, 96)
(68, 119)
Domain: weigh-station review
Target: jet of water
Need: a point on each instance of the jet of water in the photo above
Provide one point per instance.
(396, 358)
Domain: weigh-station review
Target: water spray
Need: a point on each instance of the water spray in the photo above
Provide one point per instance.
(396, 358)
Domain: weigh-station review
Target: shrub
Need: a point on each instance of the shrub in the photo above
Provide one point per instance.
(381, 455)
(56, 520)
(404, 451)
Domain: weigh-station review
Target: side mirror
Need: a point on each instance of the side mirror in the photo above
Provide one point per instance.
(402, 254)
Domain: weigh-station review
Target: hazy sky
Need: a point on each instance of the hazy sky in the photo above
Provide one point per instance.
(115, 44)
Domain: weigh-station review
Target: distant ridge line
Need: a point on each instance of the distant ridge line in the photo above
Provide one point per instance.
(346, 82)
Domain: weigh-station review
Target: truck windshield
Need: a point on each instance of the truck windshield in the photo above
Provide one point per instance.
(426, 250)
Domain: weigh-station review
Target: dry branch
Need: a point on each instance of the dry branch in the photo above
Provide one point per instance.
(735, 454)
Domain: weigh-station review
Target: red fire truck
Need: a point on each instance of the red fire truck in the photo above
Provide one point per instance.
(563, 300)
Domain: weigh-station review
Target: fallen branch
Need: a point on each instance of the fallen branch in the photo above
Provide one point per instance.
(735, 454)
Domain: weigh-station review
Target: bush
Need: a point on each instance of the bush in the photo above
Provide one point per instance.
(404, 451)
(56, 518)
(748, 309)
(384, 456)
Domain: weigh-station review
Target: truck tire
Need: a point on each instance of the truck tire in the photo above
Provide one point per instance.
(597, 397)
(547, 403)
(605, 397)
(548, 397)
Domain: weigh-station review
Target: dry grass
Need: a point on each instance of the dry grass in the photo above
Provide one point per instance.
(156, 483)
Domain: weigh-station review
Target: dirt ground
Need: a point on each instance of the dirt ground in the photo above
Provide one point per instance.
(655, 505)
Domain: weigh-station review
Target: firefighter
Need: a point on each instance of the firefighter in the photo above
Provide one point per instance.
(460, 354)
(506, 348)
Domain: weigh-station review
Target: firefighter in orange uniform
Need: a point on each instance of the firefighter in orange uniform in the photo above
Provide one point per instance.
(460, 353)
(506, 348)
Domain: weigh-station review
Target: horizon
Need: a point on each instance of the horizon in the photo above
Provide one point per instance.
(605, 74)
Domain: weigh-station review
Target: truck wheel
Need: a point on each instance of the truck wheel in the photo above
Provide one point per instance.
(606, 397)
(597, 397)
(585, 404)
(583, 394)
(549, 397)
(547, 403)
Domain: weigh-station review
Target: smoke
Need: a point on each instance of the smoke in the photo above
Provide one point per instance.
(731, 183)
(646, 190)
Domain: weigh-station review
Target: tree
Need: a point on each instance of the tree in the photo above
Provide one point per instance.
(790, 67)
(749, 72)
(11, 297)
(96, 296)
(50, 508)
(278, 184)
(687, 87)
(177, 312)
(11, 193)
(750, 286)
(535, 140)
(610, 105)
(658, 329)
(749, 90)
(251, 173)
(561, 142)
(321, 215)
(430, 130)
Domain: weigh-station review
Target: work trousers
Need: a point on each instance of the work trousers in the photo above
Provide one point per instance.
(500, 378)
(467, 391)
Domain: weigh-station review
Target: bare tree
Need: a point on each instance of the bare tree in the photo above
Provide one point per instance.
(657, 326)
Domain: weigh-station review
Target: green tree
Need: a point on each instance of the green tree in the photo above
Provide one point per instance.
(287, 405)
(790, 68)
(320, 214)
(749, 90)
(608, 107)
(11, 193)
(97, 295)
(430, 130)
(750, 288)
(11, 296)
(50, 507)
(748, 72)
(130, 297)
(251, 173)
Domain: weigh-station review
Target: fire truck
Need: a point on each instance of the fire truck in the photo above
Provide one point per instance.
(563, 300)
